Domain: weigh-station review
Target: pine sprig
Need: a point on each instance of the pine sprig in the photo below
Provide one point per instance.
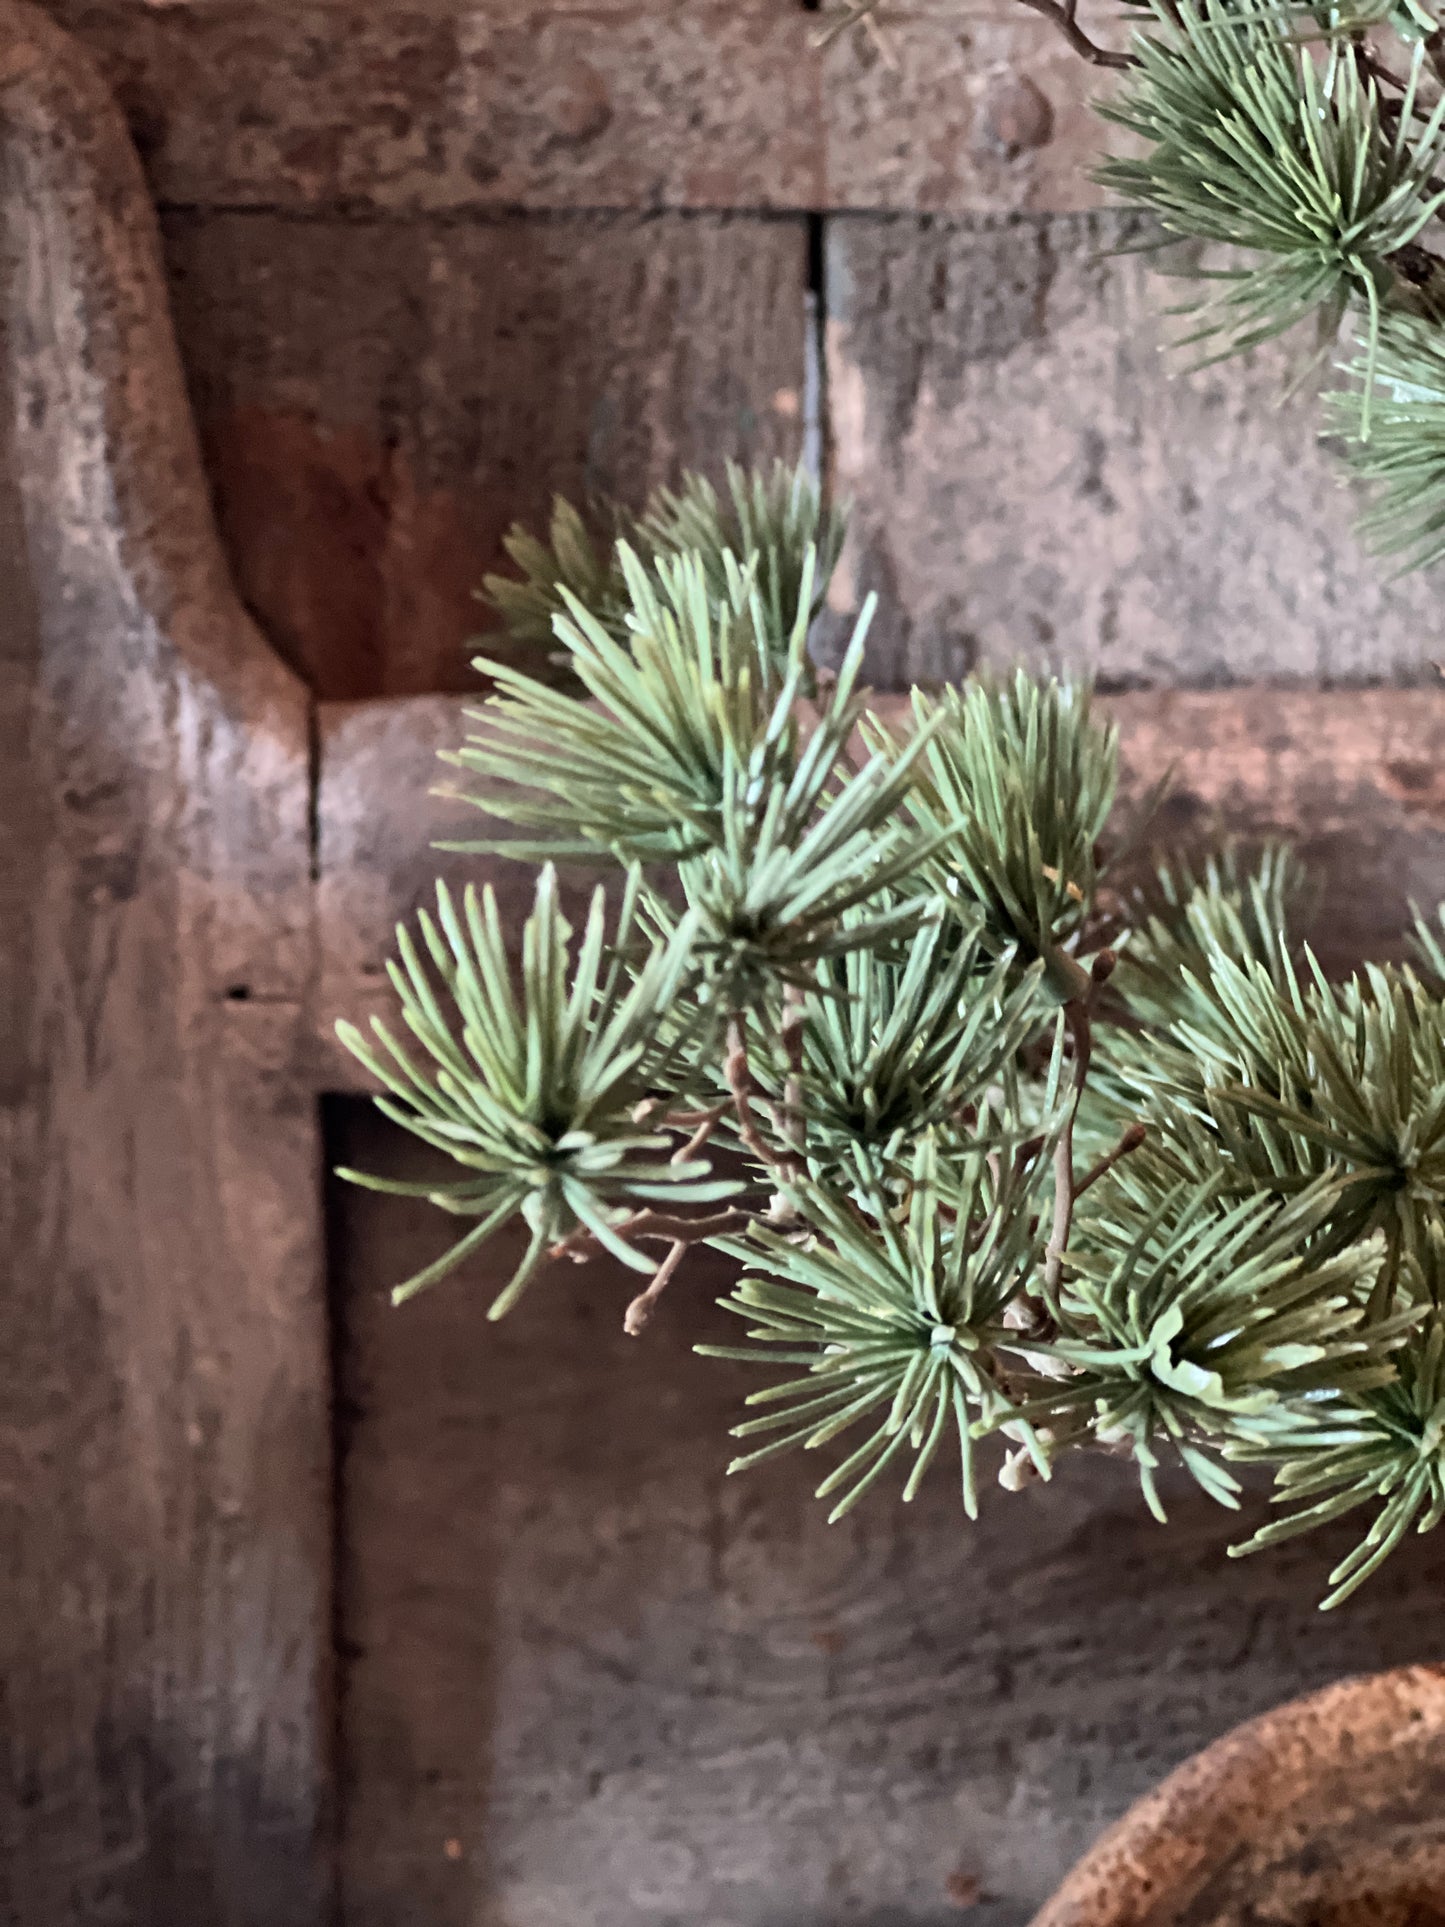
(1392, 424)
(690, 709)
(1190, 1318)
(1385, 1447)
(770, 519)
(775, 518)
(1014, 790)
(1298, 1081)
(895, 1322)
(1190, 1208)
(572, 565)
(894, 1047)
(1184, 918)
(798, 862)
(536, 1098)
(1250, 142)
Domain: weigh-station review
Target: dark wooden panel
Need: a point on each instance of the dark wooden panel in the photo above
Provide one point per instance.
(1030, 479)
(590, 1682)
(380, 400)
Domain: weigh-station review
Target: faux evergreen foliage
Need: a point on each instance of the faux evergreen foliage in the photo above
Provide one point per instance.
(775, 517)
(1014, 1153)
(1020, 1154)
(1248, 139)
(1299, 153)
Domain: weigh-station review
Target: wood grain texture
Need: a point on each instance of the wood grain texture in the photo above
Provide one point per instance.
(591, 1682)
(1033, 476)
(448, 108)
(165, 1525)
(585, 1679)
(983, 110)
(424, 110)
(379, 401)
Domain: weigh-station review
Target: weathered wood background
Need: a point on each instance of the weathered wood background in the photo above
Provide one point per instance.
(315, 1612)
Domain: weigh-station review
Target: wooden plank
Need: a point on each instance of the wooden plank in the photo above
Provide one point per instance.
(163, 1380)
(977, 110)
(1032, 480)
(590, 1682)
(422, 110)
(452, 108)
(1352, 778)
(376, 867)
(379, 401)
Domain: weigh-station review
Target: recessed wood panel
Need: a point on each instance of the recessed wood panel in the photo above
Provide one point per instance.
(588, 1681)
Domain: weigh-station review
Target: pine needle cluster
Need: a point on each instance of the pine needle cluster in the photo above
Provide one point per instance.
(1300, 152)
(1013, 1158)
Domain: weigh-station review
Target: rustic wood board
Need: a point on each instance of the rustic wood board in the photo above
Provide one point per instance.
(379, 401)
(590, 1682)
(200, 872)
(462, 108)
(163, 1376)
(428, 109)
(1031, 480)
(980, 109)
(1353, 779)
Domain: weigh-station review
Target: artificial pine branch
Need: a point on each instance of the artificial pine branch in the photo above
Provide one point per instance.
(1191, 1207)
(999, 1162)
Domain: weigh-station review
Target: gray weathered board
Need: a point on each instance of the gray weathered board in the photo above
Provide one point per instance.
(1035, 476)
(164, 1643)
(568, 1673)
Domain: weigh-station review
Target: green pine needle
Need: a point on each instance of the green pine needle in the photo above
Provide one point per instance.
(534, 1097)
(894, 1320)
(770, 520)
(1392, 424)
(1251, 141)
(1014, 789)
(1190, 1318)
(1189, 1209)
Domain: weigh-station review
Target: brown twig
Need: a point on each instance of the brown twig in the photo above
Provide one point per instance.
(1081, 1035)
(639, 1311)
(1130, 1141)
(704, 1123)
(581, 1244)
(791, 1123)
(740, 1084)
(1063, 17)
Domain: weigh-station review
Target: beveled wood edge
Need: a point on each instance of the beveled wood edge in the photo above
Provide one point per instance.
(166, 1276)
(133, 464)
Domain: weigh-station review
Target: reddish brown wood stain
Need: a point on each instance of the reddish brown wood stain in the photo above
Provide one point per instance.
(366, 580)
